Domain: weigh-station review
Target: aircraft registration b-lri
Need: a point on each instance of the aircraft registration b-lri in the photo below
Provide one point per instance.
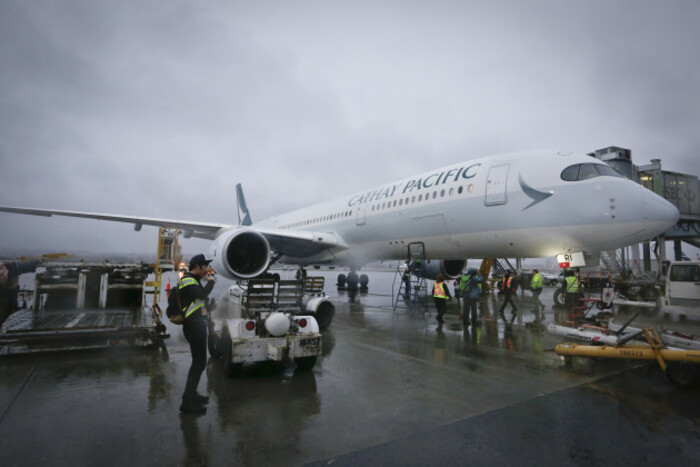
(533, 204)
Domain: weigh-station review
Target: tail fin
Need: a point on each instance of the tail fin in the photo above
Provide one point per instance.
(243, 214)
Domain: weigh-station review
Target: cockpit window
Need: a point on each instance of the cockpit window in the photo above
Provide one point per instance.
(586, 171)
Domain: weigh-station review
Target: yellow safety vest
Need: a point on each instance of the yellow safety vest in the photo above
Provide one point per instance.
(536, 281)
(571, 284)
(439, 290)
(196, 303)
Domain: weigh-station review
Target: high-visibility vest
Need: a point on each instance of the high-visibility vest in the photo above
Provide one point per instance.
(465, 283)
(571, 284)
(506, 283)
(439, 290)
(196, 303)
(536, 281)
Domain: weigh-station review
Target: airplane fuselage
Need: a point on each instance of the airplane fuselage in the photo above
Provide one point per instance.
(504, 206)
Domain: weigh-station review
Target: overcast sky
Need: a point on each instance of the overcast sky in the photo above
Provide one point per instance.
(158, 108)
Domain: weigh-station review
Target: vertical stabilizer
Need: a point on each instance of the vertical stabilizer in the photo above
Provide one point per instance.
(243, 214)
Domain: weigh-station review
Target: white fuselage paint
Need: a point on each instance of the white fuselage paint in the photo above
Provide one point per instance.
(491, 217)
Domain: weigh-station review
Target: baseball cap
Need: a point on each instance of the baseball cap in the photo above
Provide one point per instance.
(199, 259)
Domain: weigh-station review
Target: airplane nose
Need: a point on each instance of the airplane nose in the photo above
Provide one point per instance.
(659, 214)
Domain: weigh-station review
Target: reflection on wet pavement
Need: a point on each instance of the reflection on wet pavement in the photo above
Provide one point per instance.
(384, 376)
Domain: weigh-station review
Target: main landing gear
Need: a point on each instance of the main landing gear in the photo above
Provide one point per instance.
(353, 282)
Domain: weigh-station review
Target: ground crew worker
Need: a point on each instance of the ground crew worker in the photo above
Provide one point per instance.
(508, 288)
(441, 293)
(536, 286)
(406, 278)
(193, 298)
(572, 286)
(470, 289)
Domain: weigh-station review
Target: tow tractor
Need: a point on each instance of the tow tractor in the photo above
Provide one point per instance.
(264, 320)
(682, 366)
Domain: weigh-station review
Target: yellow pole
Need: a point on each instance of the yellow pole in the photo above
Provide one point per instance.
(636, 352)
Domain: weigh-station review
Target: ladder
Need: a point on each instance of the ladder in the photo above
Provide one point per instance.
(410, 287)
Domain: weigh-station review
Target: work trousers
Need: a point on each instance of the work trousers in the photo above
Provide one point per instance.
(536, 296)
(508, 298)
(471, 307)
(441, 305)
(572, 299)
(195, 329)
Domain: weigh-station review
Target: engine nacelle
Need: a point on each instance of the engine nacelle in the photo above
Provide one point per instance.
(240, 254)
(450, 268)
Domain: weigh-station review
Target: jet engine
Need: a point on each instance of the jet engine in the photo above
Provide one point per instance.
(450, 268)
(240, 254)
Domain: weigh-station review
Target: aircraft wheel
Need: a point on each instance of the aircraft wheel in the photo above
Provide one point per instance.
(682, 373)
(352, 280)
(230, 369)
(364, 280)
(341, 280)
(305, 363)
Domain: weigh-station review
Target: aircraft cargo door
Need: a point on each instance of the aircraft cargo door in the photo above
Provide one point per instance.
(496, 185)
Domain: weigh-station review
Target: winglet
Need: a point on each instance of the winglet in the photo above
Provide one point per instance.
(243, 214)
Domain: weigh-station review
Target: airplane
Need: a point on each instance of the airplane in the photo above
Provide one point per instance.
(520, 205)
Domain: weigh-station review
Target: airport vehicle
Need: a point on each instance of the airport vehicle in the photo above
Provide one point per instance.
(514, 205)
(681, 289)
(613, 333)
(81, 305)
(680, 285)
(552, 279)
(682, 366)
(259, 322)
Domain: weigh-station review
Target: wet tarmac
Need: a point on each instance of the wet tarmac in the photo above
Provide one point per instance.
(392, 388)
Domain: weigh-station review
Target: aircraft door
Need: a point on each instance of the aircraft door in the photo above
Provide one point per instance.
(496, 185)
(361, 218)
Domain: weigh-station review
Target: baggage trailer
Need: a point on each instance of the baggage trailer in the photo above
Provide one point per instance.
(85, 306)
(263, 321)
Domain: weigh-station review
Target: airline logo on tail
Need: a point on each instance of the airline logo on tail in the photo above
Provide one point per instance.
(243, 214)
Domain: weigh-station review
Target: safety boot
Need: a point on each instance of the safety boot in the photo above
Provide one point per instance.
(190, 406)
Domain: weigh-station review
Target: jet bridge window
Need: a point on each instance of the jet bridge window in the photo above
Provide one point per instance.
(586, 171)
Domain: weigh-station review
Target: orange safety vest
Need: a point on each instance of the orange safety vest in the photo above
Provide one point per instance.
(506, 284)
(439, 291)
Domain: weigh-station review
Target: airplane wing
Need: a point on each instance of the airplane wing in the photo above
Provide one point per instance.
(190, 229)
(300, 243)
(295, 244)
